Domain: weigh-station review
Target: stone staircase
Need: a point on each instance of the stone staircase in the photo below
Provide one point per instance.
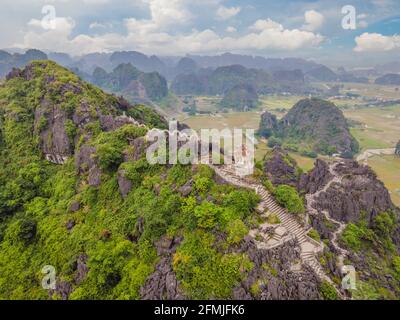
(309, 247)
(311, 200)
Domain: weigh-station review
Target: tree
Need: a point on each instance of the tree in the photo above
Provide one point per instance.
(289, 198)
(206, 215)
(236, 231)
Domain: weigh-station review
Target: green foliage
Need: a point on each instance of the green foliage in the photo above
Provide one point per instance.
(148, 116)
(352, 236)
(110, 145)
(274, 141)
(22, 230)
(202, 185)
(240, 97)
(384, 224)
(236, 230)
(207, 214)
(273, 219)
(242, 202)
(42, 123)
(71, 130)
(396, 264)
(118, 235)
(309, 153)
(313, 234)
(327, 291)
(289, 198)
(204, 272)
(268, 185)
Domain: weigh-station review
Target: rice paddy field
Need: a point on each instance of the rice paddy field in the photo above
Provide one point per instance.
(378, 127)
(388, 170)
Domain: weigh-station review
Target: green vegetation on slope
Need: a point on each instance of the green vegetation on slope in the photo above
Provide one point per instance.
(52, 214)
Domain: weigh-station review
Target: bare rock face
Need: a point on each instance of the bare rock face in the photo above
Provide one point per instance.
(111, 123)
(316, 178)
(358, 191)
(162, 283)
(125, 185)
(81, 268)
(186, 189)
(86, 164)
(268, 124)
(54, 140)
(273, 274)
(280, 168)
(137, 150)
(26, 73)
(63, 289)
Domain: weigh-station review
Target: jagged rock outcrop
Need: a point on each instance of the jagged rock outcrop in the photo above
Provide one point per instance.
(313, 125)
(125, 185)
(278, 274)
(137, 150)
(280, 168)
(67, 109)
(316, 178)
(268, 124)
(86, 164)
(55, 143)
(162, 283)
(359, 190)
(81, 268)
(241, 97)
(186, 189)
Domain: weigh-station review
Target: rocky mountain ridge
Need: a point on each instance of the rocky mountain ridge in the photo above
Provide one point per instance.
(314, 124)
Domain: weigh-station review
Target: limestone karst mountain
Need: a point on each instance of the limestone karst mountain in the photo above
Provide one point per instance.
(312, 125)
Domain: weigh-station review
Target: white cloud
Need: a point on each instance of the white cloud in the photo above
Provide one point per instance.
(224, 13)
(362, 24)
(98, 25)
(166, 12)
(313, 20)
(261, 25)
(374, 42)
(151, 35)
(231, 29)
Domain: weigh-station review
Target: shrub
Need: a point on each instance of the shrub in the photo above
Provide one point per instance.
(396, 264)
(384, 225)
(236, 230)
(273, 219)
(327, 291)
(207, 214)
(309, 153)
(268, 185)
(289, 198)
(204, 272)
(202, 185)
(241, 201)
(273, 142)
(70, 129)
(313, 234)
(109, 156)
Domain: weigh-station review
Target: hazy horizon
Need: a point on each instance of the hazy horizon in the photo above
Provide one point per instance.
(311, 30)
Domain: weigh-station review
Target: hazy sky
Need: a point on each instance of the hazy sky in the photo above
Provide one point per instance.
(305, 28)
